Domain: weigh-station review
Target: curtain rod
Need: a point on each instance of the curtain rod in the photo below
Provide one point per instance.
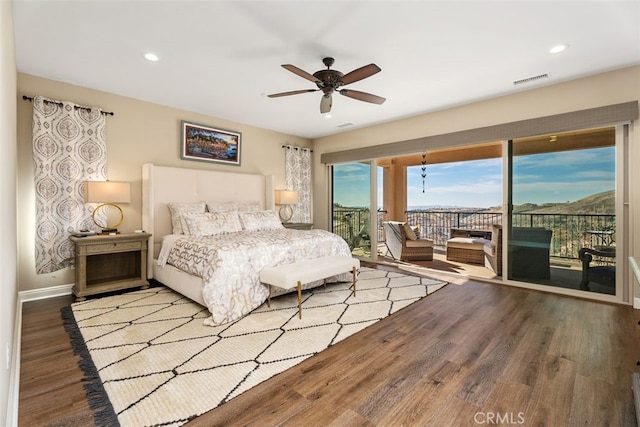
(296, 148)
(77, 107)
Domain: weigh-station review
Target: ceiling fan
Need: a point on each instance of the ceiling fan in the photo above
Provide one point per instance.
(329, 81)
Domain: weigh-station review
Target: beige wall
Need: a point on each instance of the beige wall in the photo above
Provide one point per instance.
(8, 239)
(138, 133)
(604, 89)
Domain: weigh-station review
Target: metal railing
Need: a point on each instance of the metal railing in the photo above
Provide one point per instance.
(570, 231)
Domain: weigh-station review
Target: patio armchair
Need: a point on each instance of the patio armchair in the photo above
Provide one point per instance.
(602, 274)
(404, 245)
(529, 253)
(493, 251)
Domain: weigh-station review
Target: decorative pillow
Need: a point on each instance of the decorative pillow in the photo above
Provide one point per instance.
(211, 223)
(234, 206)
(250, 206)
(412, 232)
(179, 209)
(260, 221)
(222, 206)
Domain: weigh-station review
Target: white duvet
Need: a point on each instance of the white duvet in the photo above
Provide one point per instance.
(230, 264)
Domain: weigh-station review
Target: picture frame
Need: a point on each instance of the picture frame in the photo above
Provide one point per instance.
(208, 144)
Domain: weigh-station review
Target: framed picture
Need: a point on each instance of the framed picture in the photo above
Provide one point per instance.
(210, 145)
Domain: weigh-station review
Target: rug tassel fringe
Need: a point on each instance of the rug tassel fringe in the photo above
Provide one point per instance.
(99, 402)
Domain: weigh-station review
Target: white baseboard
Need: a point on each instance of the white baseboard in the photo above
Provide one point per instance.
(44, 293)
(14, 382)
(14, 373)
(636, 303)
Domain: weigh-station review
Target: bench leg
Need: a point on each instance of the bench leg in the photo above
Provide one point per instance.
(299, 300)
(354, 281)
(269, 297)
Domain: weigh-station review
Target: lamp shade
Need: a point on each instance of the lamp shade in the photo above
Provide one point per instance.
(286, 197)
(107, 192)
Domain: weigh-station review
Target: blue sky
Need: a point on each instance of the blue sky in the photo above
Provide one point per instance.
(542, 178)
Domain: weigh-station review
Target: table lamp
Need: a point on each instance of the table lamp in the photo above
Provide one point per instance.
(107, 193)
(286, 198)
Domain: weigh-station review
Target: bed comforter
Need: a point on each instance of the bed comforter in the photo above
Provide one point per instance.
(230, 264)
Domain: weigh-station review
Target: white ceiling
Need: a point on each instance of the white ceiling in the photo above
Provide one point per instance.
(221, 58)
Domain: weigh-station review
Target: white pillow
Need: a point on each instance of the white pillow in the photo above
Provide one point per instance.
(179, 209)
(234, 206)
(260, 220)
(222, 206)
(249, 206)
(211, 223)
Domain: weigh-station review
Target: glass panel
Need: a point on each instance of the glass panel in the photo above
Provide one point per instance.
(351, 216)
(562, 210)
(382, 213)
(458, 205)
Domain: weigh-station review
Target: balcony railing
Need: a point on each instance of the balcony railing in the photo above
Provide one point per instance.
(570, 231)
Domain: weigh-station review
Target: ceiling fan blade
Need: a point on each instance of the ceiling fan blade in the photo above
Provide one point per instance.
(360, 73)
(325, 104)
(293, 92)
(301, 73)
(363, 96)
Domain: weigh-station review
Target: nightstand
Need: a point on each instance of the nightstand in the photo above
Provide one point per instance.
(107, 263)
(298, 225)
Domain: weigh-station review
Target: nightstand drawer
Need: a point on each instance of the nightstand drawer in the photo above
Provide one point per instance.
(104, 248)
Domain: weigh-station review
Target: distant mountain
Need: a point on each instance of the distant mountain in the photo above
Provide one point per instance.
(601, 203)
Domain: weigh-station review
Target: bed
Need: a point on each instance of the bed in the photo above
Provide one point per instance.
(221, 272)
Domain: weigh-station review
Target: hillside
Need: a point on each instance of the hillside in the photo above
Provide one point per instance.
(601, 203)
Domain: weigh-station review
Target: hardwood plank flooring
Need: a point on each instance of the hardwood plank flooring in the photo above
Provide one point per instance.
(469, 354)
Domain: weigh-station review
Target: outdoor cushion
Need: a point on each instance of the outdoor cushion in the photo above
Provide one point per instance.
(471, 243)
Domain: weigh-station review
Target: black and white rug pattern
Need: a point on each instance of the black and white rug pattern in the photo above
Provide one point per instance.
(150, 361)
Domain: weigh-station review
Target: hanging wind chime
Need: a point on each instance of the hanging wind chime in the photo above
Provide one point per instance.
(424, 169)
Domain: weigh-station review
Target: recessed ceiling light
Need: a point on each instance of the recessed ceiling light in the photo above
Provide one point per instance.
(558, 48)
(151, 57)
(327, 116)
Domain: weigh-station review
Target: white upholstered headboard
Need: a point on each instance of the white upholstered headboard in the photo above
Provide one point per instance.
(164, 184)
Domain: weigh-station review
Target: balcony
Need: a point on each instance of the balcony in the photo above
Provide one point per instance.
(571, 232)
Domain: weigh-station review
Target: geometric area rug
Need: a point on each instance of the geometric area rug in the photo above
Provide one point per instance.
(149, 360)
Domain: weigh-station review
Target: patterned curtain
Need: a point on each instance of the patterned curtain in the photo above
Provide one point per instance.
(298, 177)
(69, 147)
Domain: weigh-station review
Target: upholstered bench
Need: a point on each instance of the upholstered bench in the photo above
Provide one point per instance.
(289, 276)
(469, 250)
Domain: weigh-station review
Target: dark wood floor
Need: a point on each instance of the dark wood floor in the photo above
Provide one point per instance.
(469, 354)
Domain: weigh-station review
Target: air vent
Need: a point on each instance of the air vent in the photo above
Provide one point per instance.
(344, 125)
(531, 79)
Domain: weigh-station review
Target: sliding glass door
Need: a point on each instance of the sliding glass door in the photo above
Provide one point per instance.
(351, 216)
(562, 210)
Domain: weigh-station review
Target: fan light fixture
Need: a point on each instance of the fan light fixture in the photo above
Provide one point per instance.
(286, 198)
(107, 193)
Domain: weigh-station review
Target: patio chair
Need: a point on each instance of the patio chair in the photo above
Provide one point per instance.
(405, 248)
(602, 274)
(493, 251)
(529, 253)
